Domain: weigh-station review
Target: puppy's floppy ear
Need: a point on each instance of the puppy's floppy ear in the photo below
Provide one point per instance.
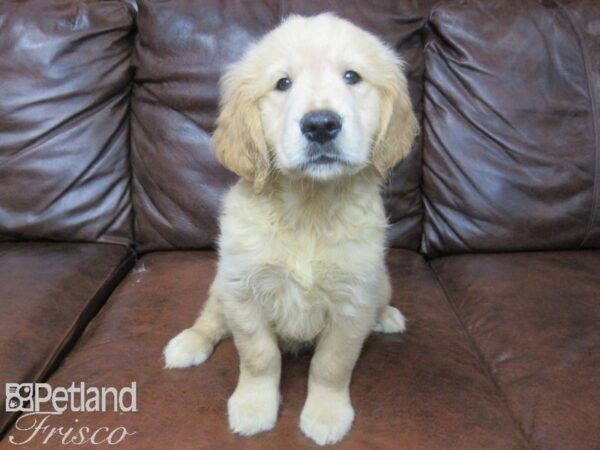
(238, 140)
(398, 127)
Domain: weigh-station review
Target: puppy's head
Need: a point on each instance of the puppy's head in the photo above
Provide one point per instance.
(315, 98)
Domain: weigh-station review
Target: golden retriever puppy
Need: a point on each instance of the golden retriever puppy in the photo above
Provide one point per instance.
(312, 119)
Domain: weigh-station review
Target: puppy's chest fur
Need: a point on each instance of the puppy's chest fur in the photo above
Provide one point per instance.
(299, 287)
(301, 262)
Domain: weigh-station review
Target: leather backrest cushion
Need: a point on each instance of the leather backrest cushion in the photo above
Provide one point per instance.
(512, 126)
(181, 50)
(64, 84)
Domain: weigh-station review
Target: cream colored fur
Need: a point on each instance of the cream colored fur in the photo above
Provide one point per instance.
(301, 246)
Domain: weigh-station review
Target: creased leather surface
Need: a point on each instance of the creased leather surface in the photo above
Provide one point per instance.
(64, 95)
(510, 153)
(421, 390)
(180, 52)
(48, 292)
(534, 318)
(585, 18)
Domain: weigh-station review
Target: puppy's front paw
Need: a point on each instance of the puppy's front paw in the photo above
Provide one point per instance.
(253, 409)
(326, 418)
(188, 348)
(390, 320)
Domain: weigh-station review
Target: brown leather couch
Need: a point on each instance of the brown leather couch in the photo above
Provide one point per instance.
(109, 197)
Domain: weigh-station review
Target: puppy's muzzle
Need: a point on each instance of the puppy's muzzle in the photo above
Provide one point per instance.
(321, 126)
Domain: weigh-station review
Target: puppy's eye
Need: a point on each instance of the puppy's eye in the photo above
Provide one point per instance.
(283, 84)
(351, 77)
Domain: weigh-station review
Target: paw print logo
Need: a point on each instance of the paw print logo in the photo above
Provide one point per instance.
(14, 403)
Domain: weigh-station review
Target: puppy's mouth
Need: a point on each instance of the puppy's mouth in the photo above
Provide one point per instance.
(325, 160)
(323, 156)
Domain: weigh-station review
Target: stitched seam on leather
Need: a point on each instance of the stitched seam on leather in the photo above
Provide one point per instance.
(481, 359)
(103, 285)
(132, 36)
(43, 373)
(132, 210)
(588, 76)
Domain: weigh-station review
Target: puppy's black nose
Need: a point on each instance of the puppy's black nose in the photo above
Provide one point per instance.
(321, 126)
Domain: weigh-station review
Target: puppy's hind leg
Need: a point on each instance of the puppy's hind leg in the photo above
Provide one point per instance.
(389, 318)
(194, 345)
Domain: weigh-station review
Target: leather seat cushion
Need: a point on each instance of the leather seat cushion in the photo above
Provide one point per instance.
(423, 389)
(48, 293)
(533, 318)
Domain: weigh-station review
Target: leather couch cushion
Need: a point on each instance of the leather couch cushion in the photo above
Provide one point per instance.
(181, 49)
(534, 319)
(64, 94)
(512, 136)
(48, 292)
(423, 389)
